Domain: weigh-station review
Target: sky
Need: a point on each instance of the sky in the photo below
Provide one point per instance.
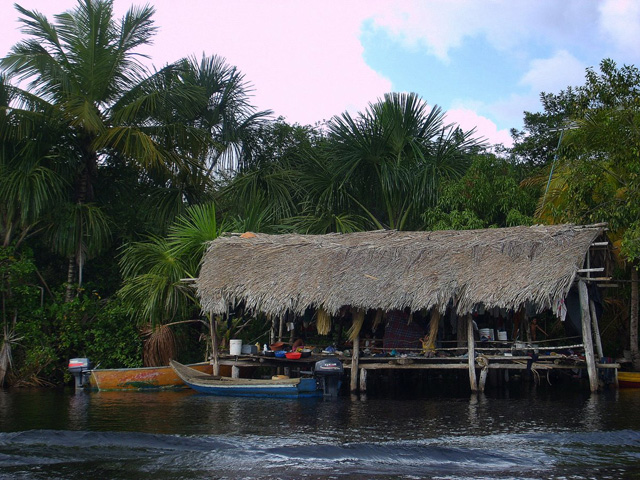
(484, 62)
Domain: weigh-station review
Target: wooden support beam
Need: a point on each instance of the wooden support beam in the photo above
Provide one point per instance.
(590, 270)
(213, 332)
(281, 327)
(355, 357)
(596, 330)
(587, 338)
(472, 354)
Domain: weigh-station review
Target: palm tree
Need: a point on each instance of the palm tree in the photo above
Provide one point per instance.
(154, 272)
(84, 77)
(227, 119)
(388, 161)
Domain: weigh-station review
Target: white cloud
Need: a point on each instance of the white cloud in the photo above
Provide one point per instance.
(555, 73)
(620, 21)
(485, 128)
(510, 110)
(442, 25)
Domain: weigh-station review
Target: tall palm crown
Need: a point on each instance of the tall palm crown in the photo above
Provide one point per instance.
(85, 82)
(390, 158)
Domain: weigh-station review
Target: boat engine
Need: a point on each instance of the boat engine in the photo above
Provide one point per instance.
(80, 368)
(328, 373)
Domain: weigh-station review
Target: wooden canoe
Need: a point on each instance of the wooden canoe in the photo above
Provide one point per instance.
(246, 387)
(629, 379)
(146, 378)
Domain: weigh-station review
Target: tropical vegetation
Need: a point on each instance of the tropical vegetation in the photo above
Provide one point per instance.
(113, 177)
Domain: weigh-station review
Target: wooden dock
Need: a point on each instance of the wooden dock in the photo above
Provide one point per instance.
(541, 362)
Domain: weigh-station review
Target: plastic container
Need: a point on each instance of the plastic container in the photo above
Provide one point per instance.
(486, 333)
(235, 347)
(502, 335)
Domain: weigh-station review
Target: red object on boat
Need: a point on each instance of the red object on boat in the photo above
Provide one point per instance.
(293, 355)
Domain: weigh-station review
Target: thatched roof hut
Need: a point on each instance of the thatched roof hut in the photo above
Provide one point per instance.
(505, 268)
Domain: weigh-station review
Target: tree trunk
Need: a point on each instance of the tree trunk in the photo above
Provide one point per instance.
(71, 276)
(633, 320)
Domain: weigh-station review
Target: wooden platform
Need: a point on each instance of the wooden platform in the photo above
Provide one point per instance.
(483, 363)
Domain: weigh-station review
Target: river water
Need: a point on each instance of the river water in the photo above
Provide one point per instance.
(531, 434)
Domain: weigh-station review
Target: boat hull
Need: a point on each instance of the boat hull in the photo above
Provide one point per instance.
(305, 389)
(146, 378)
(230, 387)
(629, 379)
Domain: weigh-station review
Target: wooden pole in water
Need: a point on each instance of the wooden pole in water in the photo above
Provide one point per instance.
(596, 329)
(363, 380)
(483, 373)
(355, 359)
(471, 350)
(587, 339)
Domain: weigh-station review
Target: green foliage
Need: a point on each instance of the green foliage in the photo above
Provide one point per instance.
(95, 328)
(488, 195)
(437, 219)
(153, 270)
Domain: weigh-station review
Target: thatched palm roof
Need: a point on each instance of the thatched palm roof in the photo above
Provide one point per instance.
(504, 268)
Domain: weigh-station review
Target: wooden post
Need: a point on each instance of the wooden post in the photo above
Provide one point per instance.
(596, 330)
(461, 334)
(471, 350)
(272, 331)
(215, 361)
(587, 339)
(355, 358)
(281, 328)
(363, 380)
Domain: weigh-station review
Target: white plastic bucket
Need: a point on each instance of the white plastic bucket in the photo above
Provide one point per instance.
(486, 333)
(235, 347)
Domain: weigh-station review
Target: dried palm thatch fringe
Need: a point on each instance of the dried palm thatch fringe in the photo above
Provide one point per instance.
(429, 341)
(323, 322)
(378, 319)
(159, 347)
(388, 270)
(356, 324)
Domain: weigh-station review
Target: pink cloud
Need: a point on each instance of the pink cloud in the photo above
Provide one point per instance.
(304, 59)
(485, 128)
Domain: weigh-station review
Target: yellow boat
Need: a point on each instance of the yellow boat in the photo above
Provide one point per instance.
(629, 379)
(145, 378)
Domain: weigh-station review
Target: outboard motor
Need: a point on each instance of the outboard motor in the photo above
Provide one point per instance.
(328, 373)
(80, 368)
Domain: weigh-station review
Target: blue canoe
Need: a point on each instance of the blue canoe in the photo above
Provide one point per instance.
(246, 387)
